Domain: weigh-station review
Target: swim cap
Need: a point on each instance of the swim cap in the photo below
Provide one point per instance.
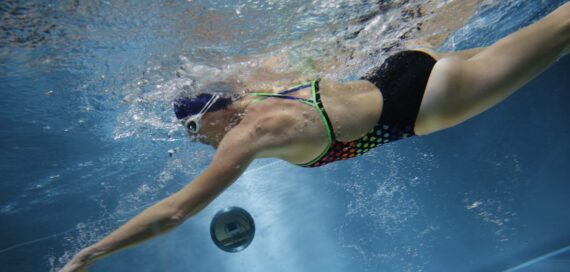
(185, 106)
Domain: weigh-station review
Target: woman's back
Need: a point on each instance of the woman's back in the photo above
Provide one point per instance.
(353, 109)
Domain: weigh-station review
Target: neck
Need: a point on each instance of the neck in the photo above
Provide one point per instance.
(242, 102)
(234, 114)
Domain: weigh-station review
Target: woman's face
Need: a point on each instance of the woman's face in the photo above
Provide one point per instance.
(212, 129)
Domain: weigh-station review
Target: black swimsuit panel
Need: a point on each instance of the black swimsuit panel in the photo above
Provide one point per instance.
(402, 80)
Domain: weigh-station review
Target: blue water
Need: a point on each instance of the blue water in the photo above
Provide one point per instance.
(86, 130)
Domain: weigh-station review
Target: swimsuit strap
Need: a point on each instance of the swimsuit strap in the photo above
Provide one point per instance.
(315, 102)
(297, 88)
(318, 104)
(261, 96)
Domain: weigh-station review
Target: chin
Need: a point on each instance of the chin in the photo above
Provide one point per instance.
(214, 145)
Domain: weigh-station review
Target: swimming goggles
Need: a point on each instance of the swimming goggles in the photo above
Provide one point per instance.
(192, 123)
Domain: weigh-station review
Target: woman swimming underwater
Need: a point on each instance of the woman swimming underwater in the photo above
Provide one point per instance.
(414, 92)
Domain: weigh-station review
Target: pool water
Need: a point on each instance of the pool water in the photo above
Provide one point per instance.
(88, 140)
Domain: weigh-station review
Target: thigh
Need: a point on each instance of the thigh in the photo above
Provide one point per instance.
(437, 110)
(460, 88)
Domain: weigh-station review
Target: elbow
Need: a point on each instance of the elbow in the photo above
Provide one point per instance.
(178, 217)
(175, 219)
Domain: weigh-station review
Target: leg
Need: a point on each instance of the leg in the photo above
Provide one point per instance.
(459, 89)
(463, 54)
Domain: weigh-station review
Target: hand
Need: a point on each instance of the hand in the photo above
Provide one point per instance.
(74, 266)
(78, 263)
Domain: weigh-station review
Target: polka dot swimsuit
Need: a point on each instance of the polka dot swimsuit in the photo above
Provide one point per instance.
(379, 135)
(402, 79)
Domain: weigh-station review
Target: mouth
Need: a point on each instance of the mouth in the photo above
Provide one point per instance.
(203, 139)
(196, 137)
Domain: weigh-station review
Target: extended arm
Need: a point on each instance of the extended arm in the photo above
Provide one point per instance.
(235, 153)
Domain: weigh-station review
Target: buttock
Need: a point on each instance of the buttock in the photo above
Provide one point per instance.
(402, 79)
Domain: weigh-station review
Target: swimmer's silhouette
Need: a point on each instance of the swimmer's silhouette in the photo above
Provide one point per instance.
(415, 92)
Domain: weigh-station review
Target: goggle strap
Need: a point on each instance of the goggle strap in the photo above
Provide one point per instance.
(198, 116)
(209, 104)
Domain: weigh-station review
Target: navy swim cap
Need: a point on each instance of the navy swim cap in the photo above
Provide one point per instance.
(185, 106)
(189, 105)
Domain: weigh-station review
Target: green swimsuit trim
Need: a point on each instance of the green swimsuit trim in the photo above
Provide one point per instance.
(327, 125)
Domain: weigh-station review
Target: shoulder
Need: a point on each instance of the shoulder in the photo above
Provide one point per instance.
(258, 132)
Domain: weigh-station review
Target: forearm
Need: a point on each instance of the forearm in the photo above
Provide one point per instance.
(155, 220)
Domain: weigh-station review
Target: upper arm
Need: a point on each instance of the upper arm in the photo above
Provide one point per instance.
(235, 152)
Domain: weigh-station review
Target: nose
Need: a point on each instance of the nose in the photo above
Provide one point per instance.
(193, 137)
